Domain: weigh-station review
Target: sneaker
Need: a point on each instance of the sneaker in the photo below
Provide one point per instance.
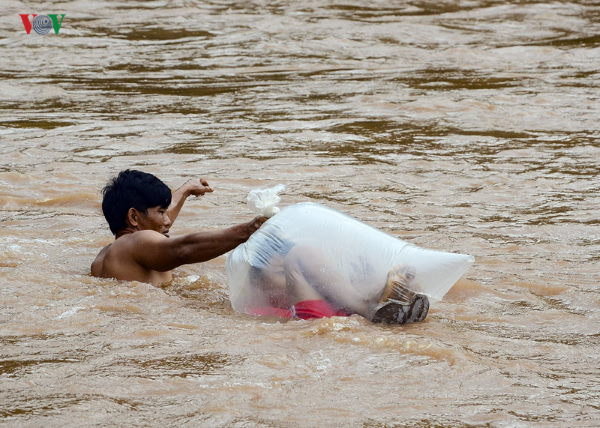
(395, 312)
(398, 304)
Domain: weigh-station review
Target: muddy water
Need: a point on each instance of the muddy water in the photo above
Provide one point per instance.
(467, 126)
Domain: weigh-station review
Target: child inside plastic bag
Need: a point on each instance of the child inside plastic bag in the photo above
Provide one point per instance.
(309, 261)
(300, 283)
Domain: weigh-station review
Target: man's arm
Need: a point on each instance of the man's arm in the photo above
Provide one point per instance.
(155, 251)
(178, 197)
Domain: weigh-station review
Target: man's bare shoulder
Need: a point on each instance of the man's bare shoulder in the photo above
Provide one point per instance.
(133, 242)
(140, 238)
(98, 262)
(147, 234)
(123, 253)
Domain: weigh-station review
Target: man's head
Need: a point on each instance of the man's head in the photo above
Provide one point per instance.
(138, 199)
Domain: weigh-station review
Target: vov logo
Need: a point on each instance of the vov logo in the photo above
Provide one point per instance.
(42, 24)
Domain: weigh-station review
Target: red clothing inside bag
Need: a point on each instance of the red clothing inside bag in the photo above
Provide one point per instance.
(305, 309)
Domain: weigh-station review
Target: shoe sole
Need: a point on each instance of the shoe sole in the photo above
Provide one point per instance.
(395, 312)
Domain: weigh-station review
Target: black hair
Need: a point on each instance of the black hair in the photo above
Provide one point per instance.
(132, 189)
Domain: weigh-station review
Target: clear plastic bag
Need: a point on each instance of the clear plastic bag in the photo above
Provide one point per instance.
(345, 260)
(263, 202)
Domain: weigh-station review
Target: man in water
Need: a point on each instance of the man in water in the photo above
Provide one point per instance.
(140, 210)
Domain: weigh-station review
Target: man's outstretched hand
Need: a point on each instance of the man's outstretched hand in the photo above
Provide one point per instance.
(197, 187)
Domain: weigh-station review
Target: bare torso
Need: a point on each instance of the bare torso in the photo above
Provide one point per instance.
(116, 261)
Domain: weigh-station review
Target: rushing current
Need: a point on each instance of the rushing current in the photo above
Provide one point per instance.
(469, 126)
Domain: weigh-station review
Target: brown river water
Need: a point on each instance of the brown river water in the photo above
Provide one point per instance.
(466, 126)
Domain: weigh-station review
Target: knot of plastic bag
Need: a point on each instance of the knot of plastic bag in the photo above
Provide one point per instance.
(263, 201)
